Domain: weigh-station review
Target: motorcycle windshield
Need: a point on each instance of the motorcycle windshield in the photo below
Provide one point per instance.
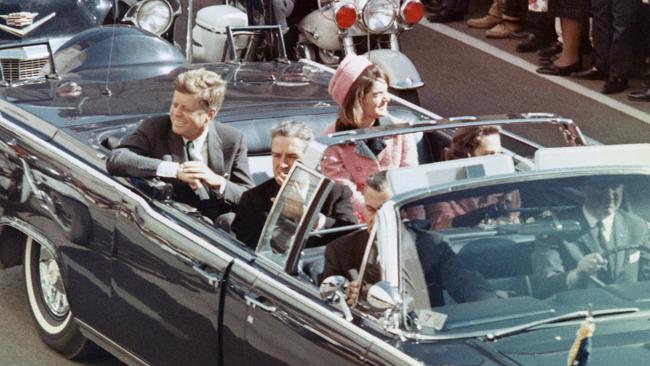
(28, 21)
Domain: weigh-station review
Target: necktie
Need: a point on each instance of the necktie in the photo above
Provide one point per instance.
(602, 239)
(606, 245)
(194, 155)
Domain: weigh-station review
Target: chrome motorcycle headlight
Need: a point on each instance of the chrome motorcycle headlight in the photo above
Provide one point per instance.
(379, 15)
(155, 16)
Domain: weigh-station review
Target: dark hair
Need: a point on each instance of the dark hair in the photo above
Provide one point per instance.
(378, 181)
(467, 139)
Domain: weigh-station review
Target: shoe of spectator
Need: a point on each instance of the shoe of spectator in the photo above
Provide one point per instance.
(530, 44)
(642, 95)
(553, 69)
(591, 73)
(486, 22)
(503, 29)
(614, 84)
(551, 50)
(445, 15)
(522, 34)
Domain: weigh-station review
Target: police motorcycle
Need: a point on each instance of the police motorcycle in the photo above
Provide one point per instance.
(333, 30)
(342, 27)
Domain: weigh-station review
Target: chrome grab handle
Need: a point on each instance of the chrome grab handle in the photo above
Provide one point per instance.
(213, 278)
(259, 302)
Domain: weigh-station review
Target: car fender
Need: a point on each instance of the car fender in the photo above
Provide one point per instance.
(133, 49)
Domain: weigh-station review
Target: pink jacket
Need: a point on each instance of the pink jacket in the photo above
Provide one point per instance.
(352, 164)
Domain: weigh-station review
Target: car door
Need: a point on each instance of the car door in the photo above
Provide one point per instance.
(55, 193)
(286, 322)
(167, 277)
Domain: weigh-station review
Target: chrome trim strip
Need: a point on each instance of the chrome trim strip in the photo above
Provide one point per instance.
(21, 32)
(301, 300)
(7, 107)
(118, 351)
(28, 230)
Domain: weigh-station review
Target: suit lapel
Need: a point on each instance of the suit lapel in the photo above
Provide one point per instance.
(215, 153)
(176, 147)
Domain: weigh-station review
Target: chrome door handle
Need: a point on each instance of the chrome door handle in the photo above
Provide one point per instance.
(213, 278)
(260, 303)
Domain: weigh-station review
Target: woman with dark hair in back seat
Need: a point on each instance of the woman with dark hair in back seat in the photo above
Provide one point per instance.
(470, 142)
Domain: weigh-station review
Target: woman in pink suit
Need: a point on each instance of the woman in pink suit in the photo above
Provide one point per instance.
(360, 88)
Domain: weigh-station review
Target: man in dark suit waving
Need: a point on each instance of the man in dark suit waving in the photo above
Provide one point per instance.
(288, 143)
(611, 248)
(204, 160)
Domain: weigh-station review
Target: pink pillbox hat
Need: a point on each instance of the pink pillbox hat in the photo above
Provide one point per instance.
(348, 71)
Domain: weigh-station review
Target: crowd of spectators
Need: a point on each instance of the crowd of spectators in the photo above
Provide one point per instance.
(606, 40)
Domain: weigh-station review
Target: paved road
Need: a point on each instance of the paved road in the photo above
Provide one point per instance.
(19, 341)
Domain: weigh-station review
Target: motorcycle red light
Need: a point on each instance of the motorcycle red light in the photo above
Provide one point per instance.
(412, 11)
(346, 16)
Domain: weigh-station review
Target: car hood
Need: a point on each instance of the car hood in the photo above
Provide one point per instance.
(614, 342)
(621, 336)
(70, 17)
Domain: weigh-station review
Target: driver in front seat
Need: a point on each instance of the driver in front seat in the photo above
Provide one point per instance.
(603, 252)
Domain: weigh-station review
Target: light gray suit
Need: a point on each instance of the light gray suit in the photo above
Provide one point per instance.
(140, 153)
(552, 260)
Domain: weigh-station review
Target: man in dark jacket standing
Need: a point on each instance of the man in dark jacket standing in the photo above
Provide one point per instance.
(288, 143)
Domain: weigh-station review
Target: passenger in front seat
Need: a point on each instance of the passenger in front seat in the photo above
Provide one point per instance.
(438, 266)
(288, 143)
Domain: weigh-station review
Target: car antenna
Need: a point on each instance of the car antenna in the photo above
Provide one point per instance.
(106, 90)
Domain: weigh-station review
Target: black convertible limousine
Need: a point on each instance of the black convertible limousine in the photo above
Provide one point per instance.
(121, 264)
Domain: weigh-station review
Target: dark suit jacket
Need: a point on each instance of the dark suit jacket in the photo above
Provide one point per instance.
(140, 153)
(440, 267)
(256, 203)
(552, 259)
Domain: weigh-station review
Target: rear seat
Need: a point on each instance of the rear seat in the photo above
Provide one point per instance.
(258, 139)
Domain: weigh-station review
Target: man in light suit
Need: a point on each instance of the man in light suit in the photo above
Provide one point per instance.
(288, 143)
(605, 252)
(204, 160)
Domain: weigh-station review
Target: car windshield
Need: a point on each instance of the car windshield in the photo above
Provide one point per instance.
(504, 255)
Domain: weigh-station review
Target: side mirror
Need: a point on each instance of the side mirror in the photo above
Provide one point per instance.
(382, 296)
(332, 289)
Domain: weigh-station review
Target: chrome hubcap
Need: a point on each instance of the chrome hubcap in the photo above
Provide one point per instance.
(52, 289)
